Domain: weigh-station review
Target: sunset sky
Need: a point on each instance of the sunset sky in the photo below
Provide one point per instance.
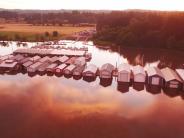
(94, 4)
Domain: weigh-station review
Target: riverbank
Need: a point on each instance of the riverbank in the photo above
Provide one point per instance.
(115, 47)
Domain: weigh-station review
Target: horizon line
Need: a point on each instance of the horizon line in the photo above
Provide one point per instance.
(78, 9)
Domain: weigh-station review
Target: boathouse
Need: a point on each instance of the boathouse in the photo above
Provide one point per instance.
(90, 71)
(71, 60)
(154, 76)
(78, 71)
(42, 69)
(35, 59)
(45, 59)
(33, 68)
(6, 57)
(124, 73)
(63, 59)
(51, 68)
(18, 58)
(181, 74)
(172, 80)
(26, 59)
(139, 77)
(106, 71)
(69, 70)
(80, 61)
(9, 66)
(54, 59)
(59, 69)
(139, 74)
(26, 65)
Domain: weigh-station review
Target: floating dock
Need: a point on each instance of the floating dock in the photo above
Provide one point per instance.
(50, 52)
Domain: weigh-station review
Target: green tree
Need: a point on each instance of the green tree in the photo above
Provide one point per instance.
(55, 34)
(47, 34)
(17, 37)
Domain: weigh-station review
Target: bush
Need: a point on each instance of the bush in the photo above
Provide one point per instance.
(47, 34)
(55, 34)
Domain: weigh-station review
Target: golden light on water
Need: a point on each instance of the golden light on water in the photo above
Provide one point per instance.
(44, 108)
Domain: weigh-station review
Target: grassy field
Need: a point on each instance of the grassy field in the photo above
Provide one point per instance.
(32, 33)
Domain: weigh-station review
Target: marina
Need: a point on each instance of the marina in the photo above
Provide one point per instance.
(70, 62)
(76, 66)
(91, 69)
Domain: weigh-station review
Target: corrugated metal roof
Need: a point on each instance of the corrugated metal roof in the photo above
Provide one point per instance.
(124, 67)
(79, 69)
(170, 75)
(54, 59)
(6, 57)
(109, 67)
(44, 59)
(8, 64)
(63, 59)
(36, 65)
(71, 60)
(25, 60)
(35, 58)
(51, 66)
(28, 63)
(138, 70)
(43, 66)
(91, 68)
(70, 67)
(154, 71)
(81, 61)
(62, 66)
(17, 57)
(181, 73)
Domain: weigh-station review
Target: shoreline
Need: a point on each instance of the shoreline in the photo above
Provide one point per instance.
(108, 45)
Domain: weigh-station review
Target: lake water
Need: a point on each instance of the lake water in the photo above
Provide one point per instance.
(44, 106)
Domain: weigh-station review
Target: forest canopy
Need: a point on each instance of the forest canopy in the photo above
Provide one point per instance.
(141, 29)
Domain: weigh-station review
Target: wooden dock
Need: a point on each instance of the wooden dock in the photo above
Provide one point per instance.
(50, 52)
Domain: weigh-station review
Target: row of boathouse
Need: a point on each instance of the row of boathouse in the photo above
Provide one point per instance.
(77, 67)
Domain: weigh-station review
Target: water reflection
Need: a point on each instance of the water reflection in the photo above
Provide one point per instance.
(77, 77)
(53, 106)
(172, 92)
(138, 86)
(89, 79)
(123, 87)
(153, 89)
(44, 107)
(153, 57)
(105, 82)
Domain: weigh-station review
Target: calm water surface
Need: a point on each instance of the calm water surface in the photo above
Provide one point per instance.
(44, 107)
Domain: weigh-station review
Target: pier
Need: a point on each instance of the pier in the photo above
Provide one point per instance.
(50, 52)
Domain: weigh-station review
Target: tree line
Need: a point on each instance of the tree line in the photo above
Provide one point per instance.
(23, 37)
(49, 18)
(141, 29)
